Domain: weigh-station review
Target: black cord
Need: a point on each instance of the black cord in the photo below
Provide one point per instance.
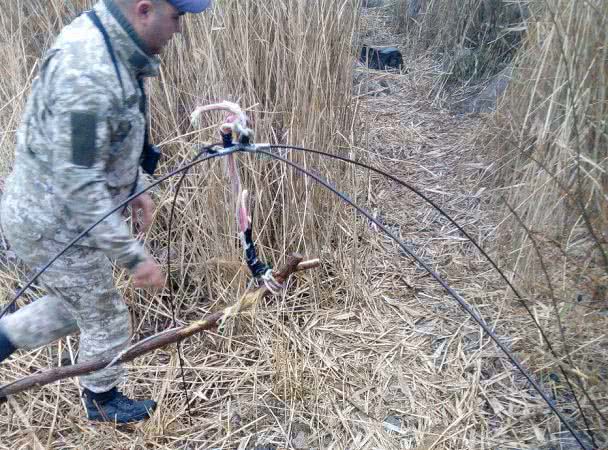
(171, 293)
(105, 216)
(362, 211)
(490, 260)
(184, 170)
(463, 304)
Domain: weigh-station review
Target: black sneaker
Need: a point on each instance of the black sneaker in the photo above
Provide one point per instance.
(6, 347)
(115, 407)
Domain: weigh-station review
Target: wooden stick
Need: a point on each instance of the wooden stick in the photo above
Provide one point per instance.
(293, 264)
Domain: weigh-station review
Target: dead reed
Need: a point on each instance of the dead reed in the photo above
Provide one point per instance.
(289, 63)
(471, 40)
(551, 171)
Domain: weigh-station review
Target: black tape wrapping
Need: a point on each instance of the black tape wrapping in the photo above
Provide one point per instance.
(257, 267)
(226, 139)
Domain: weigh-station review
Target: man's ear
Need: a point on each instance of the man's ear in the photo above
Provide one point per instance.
(143, 8)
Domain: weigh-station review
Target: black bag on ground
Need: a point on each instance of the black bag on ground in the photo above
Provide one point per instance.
(381, 58)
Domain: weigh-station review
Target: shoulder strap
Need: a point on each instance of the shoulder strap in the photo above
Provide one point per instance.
(95, 19)
(144, 109)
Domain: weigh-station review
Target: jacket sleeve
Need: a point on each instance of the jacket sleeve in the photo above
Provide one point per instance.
(81, 132)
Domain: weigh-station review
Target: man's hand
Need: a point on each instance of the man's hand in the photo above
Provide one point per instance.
(145, 204)
(148, 275)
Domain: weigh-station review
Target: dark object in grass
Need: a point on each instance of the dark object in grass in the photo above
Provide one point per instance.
(381, 58)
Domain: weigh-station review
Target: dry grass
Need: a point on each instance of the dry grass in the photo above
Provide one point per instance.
(550, 168)
(555, 129)
(471, 40)
(370, 338)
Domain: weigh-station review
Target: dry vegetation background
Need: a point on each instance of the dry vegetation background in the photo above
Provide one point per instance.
(367, 352)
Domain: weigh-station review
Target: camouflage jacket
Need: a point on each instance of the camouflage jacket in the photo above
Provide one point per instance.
(81, 137)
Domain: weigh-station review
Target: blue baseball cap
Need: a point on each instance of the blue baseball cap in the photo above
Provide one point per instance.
(190, 6)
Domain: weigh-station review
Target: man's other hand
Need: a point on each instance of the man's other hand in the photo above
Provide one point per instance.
(145, 204)
(148, 275)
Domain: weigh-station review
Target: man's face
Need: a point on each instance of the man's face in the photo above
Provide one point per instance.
(157, 23)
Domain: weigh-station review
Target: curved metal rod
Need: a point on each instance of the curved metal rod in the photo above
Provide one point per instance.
(121, 205)
(463, 304)
(485, 254)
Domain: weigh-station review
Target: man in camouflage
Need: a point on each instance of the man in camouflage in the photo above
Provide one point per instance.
(78, 155)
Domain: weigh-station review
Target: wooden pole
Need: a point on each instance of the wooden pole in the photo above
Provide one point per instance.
(294, 263)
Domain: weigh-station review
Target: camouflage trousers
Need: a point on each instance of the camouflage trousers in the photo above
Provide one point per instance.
(81, 297)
